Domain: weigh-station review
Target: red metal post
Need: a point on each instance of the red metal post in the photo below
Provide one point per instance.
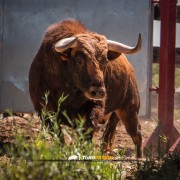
(167, 64)
(166, 84)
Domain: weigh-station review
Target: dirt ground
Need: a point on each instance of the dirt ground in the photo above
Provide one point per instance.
(29, 125)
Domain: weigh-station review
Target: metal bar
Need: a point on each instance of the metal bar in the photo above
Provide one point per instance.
(157, 12)
(156, 51)
(167, 64)
(156, 89)
(166, 85)
(176, 145)
(155, 1)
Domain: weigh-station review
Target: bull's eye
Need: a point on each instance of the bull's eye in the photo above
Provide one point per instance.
(79, 61)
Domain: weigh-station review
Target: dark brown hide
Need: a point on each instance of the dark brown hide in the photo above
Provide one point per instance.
(100, 84)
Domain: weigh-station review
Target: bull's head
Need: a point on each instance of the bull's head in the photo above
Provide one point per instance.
(89, 54)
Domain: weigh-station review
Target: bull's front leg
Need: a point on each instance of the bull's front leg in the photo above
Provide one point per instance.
(109, 133)
(94, 115)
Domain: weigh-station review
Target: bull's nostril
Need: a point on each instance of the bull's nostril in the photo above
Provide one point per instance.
(93, 93)
(96, 93)
(102, 93)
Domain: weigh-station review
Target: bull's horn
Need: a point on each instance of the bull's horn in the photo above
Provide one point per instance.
(66, 43)
(122, 48)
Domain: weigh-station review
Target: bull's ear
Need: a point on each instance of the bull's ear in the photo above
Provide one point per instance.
(111, 55)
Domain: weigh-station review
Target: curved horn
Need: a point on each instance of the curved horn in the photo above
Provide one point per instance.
(66, 43)
(122, 48)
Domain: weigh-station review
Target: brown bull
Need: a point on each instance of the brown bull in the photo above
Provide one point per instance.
(93, 72)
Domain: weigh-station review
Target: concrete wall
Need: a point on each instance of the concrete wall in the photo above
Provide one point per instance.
(1, 43)
(25, 22)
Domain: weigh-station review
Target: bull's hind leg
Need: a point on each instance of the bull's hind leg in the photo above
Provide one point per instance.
(109, 133)
(133, 128)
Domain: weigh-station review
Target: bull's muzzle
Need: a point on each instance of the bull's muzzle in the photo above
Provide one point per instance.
(96, 93)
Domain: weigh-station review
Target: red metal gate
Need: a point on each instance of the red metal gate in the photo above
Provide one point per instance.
(166, 89)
